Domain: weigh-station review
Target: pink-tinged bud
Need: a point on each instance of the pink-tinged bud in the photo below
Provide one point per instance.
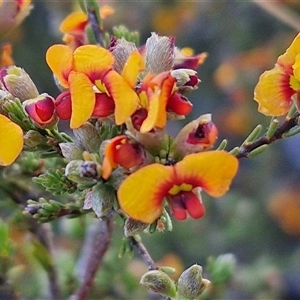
(63, 105)
(17, 82)
(104, 106)
(198, 135)
(41, 110)
(179, 104)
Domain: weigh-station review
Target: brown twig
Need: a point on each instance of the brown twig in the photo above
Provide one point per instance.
(94, 249)
(141, 249)
(287, 125)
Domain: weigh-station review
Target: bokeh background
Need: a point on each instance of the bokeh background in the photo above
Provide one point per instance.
(259, 219)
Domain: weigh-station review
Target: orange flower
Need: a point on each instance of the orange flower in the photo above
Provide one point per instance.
(74, 27)
(276, 87)
(88, 69)
(121, 151)
(11, 140)
(142, 194)
(154, 94)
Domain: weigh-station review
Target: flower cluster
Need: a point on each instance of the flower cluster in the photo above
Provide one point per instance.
(137, 89)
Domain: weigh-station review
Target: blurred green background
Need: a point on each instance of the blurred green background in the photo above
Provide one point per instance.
(259, 219)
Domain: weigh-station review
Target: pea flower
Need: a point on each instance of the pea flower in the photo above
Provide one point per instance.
(75, 24)
(142, 194)
(122, 151)
(157, 87)
(11, 140)
(85, 72)
(276, 87)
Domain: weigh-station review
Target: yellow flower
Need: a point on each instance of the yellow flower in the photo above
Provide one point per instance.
(11, 140)
(87, 69)
(142, 194)
(276, 87)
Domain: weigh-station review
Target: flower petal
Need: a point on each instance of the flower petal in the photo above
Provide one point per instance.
(287, 59)
(60, 59)
(213, 171)
(92, 60)
(273, 92)
(11, 139)
(82, 98)
(73, 23)
(133, 66)
(126, 99)
(141, 194)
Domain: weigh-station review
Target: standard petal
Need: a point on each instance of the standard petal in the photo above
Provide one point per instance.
(287, 59)
(213, 171)
(82, 98)
(126, 99)
(11, 139)
(60, 59)
(92, 60)
(141, 194)
(273, 92)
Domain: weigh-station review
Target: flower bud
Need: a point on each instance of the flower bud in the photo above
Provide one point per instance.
(5, 97)
(196, 136)
(186, 79)
(41, 110)
(16, 81)
(159, 282)
(133, 227)
(82, 171)
(71, 151)
(101, 197)
(88, 137)
(190, 283)
(63, 105)
(159, 53)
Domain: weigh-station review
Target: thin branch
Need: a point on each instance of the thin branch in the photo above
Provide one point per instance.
(19, 195)
(94, 249)
(141, 249)
(264, 140)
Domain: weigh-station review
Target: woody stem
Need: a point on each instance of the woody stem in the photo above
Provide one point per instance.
(247, 148)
